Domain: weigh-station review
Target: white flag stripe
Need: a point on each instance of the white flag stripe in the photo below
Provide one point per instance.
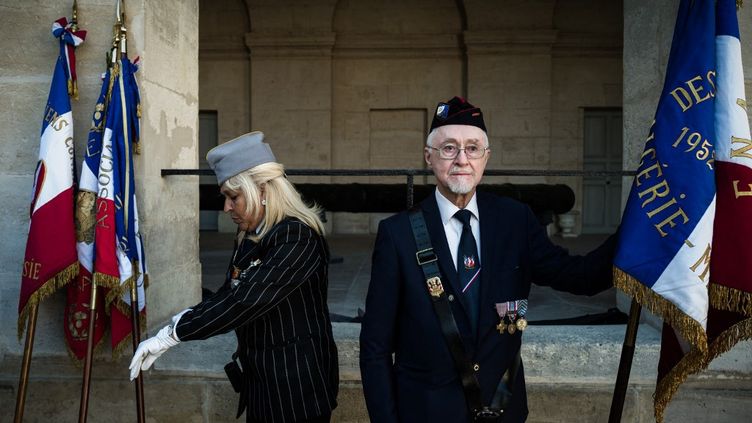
(679, 283)
(731, 117)
(57, 154)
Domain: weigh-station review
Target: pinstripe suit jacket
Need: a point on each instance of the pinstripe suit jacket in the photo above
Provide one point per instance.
(279, 313)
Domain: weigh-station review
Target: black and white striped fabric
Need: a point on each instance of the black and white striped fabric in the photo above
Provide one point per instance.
(279, 312)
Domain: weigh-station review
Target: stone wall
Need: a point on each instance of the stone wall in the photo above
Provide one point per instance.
(354, 84)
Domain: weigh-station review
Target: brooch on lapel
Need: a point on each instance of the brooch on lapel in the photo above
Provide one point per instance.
(238, 274)
(512, 316)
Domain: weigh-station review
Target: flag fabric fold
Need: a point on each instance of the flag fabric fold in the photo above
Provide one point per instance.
(78, 302)
(71, 37)
(664, 251)
(730, 316)
(50, 260)
(119, 262)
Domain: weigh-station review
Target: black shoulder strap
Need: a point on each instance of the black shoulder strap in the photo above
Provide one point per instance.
(427, 260)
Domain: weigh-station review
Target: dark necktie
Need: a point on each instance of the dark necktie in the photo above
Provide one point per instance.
(468, 266)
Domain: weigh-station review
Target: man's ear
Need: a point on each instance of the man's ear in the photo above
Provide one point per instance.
(427, 156)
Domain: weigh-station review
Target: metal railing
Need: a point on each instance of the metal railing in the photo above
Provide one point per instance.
(410, 174)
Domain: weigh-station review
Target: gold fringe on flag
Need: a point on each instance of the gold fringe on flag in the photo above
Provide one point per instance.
(45, 290)
(693, 362)
(730, 299)
(119, 349)
(741, 331)
(690, 329)
(105, 280)
(97, 348)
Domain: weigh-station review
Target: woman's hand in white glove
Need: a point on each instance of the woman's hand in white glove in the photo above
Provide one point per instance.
(150, 350)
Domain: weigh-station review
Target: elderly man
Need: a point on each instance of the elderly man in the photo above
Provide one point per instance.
(447, 302)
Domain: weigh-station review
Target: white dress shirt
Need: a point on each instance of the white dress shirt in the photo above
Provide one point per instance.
(453, 227)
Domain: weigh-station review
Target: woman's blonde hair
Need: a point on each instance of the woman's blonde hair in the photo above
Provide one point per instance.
(282, 199)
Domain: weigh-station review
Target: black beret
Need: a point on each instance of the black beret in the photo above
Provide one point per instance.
(457, 111)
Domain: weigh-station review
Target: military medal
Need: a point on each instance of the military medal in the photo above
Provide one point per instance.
(501, 326)
(501, 308)
(522, 322)
(512, 316)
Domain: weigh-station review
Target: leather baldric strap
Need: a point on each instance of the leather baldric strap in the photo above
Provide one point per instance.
(428, 262)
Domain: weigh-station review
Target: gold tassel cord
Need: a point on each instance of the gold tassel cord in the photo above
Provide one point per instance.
(730, 299)
(45, 290)
(690, 329)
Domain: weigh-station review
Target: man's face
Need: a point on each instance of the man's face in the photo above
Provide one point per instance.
(460, 175)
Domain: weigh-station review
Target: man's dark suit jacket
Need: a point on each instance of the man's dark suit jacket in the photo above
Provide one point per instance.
(420, 384)
(280, 315)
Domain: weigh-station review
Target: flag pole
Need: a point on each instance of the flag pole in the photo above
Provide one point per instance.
(136, 328)
(625, 363)
(85, 387)
(84, 405)
(135, 315)
(23, 381)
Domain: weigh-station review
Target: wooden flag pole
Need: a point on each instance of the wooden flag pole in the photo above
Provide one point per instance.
(136, 335)
(625, 363)
(23, 380)
(83, 409)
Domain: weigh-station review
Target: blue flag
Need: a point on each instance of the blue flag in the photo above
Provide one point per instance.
(663, 255)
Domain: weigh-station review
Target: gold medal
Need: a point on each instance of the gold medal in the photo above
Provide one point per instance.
(511, 328)
(521, 324)
(501, 327)
(235, 272)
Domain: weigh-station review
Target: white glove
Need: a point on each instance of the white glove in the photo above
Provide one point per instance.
(150, 350)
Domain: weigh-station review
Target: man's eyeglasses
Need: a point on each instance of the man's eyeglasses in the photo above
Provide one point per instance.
(451, 151)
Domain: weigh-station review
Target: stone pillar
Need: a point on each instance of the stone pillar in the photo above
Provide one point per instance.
(163, 35)
(291, 92)
(509, 76)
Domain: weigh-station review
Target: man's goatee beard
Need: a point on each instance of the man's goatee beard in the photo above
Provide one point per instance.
(460, 187)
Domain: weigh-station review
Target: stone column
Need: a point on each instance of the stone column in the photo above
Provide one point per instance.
(509, 76)
(291, 92)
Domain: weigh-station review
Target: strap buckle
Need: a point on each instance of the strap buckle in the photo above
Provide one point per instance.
(425, 256)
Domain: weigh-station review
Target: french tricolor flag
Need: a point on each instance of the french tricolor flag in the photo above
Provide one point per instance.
(50, 259)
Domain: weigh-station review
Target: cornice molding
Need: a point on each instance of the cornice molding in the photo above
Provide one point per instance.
(397, 45)
(588, 44)
(290, 45)
(222, 48)
(517, 41)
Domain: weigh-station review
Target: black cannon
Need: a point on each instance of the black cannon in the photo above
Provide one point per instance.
(545, 200)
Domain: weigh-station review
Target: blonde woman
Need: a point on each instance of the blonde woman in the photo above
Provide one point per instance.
(274, 296)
